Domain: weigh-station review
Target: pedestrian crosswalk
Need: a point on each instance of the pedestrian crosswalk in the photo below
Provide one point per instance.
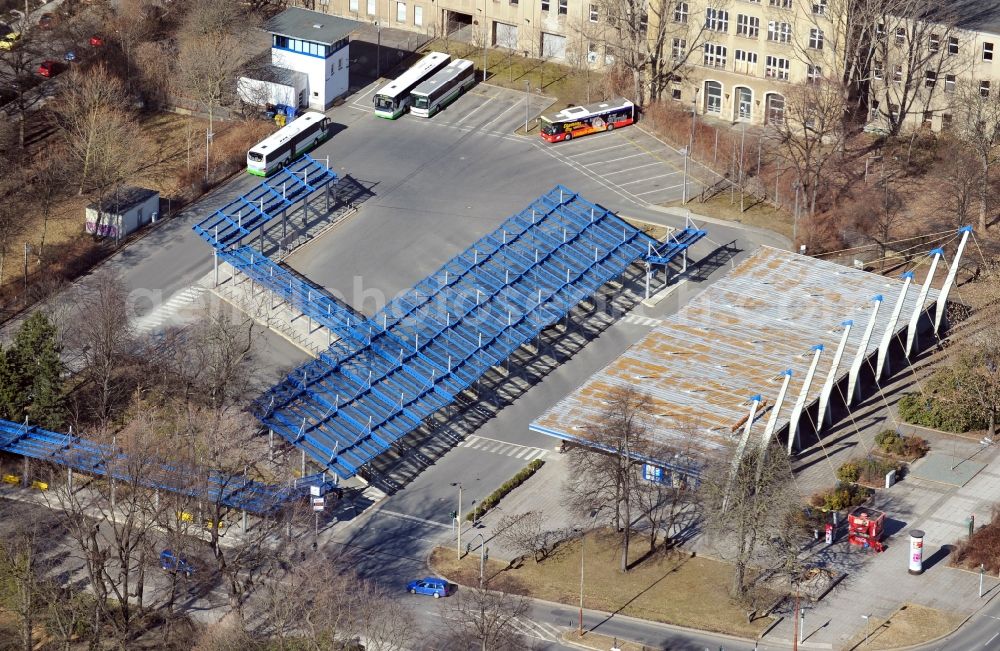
(538, 630)
(527, 453)
(161, 314)
(638, 319)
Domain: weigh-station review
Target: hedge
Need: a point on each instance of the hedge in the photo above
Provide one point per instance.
(494, 498)
(929, 411)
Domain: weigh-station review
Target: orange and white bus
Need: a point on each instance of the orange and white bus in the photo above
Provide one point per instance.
(579, 121)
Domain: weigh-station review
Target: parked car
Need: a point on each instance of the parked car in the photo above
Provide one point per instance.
(96, 41)
(430, 586)
(46, 21)
(69, 57)
(170, 562)
(8, 41)
(48, 68)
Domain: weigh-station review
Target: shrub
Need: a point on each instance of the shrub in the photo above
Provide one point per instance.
(929, 411)
(494, 498)
(910, 447)
(849, 472)
(843, 496)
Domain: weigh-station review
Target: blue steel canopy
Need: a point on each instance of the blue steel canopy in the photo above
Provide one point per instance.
(102, 460)
(437, 339)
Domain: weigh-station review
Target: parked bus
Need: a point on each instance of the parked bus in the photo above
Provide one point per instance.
(443, 88)
(391, 100)
(288, 143)
(579, 121)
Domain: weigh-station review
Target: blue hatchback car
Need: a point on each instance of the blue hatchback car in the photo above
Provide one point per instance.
(170, 562)
(429, 586)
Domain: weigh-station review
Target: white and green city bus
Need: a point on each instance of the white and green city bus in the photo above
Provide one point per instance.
(391, 100)
(440, 90)
(288, 143)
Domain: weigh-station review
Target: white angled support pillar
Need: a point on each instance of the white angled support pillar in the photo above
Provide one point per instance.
(918, 309)
(890, 327)
(950, 280)
(772, 420)
(741, 448)
(823, 415)
(862, 354)
(793, 423)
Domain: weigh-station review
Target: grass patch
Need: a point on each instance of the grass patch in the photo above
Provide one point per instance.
(491, 500)
(759, 215)
(909, 625)
(650, 590)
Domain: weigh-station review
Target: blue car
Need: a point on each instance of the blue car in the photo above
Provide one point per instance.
(429, 586)
(169, 562)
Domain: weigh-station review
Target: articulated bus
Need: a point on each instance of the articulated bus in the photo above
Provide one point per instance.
(440, 90)
(391, 99)
(579, 121)
(288, 143)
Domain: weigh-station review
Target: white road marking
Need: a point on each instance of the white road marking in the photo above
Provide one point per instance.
(503, 448)
(650, 178)
(632, 169)
(502, 113)
(474, 111)
(990, 641)
(594, 151)
(413, 518)
(615, 160)
(672, 187)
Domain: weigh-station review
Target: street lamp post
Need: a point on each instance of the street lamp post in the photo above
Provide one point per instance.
(486, 37)
(579, 630)
(867, 619)
(458, 521)
(482, 556)
(687, 150)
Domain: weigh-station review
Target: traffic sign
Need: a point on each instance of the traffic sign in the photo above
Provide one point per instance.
(314, 491)
(318, 503)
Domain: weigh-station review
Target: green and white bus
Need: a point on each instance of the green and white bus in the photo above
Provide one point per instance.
(288, 143)
(391, 100)
(440, 90)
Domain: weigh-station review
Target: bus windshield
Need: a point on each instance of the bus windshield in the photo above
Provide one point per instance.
(420, 101)
(384, 103)
(255, 157)
(549, 127)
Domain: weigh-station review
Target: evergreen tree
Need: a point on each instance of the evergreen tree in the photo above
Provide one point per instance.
(35, 367)
(9, 389)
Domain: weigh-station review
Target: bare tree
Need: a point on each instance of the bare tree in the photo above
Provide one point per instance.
(746, 504)
(524, 533)
(17, 71)
(484, 618)
(605, 472)
(132, 22)
(668, 505)
(19, 565)
(977, 125)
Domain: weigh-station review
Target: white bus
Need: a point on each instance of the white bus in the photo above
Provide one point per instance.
(391, 99)
(440, 90)
(288, 143)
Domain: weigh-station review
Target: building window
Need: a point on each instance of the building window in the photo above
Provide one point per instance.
(592, 52)
(900, 35)
(987, 51)
(945, 121)
(876, 69)
(545, 5)
(776, 68)
(814, 74)
(816, 38)
(593, 13)
(717, 20)
(713, 97)
(933, 42)
(681, 12)
(513, 3)
(418, 15)
(784, 4)
(744, 103)
(928, 117)
(984, 89)
(930, 78)
(746, 61)
(715, 55)
(775, 109)
(400, 12)
(949, 83)
(819, 7)
(563, 7)
(952, 45)
(779, 32)
(880, 30)
(675, 93)
(354, 6)
(897, 74)
(748, 26)
(372, 7)
(340, 64)
(678, 49)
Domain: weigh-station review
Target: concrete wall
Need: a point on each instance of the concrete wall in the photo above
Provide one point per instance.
(328, 77)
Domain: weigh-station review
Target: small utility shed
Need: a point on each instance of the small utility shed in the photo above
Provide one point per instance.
(123, 212)
(303, 43)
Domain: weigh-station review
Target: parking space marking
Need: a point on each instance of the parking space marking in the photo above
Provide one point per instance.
(650, 178)
(672, 187)
(493, 121)
(594, 151)
(474, 111)
(368, 90)
(632, 169)
(615, 160)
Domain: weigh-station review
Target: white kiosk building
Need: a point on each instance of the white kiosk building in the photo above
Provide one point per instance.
(309, 61)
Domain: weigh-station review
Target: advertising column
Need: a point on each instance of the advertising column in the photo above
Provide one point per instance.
(916, 551)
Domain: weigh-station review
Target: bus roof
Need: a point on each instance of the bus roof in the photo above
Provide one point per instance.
(577, 112)
(284, 133)
(452, 70)
(420, 69)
